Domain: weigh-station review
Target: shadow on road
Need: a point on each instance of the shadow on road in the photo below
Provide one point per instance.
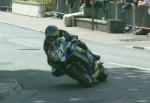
(38, 79)
(124, 85)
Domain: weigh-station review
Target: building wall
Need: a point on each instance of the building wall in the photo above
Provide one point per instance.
(30, 9)
(6, 4)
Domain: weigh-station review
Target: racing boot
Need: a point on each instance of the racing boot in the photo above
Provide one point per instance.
(97, 57)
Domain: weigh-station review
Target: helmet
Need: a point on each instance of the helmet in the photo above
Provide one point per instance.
(51, 31)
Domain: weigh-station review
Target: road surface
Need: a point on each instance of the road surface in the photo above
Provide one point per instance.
(22, 58)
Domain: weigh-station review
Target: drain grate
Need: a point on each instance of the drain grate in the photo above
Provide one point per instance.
(130, 40)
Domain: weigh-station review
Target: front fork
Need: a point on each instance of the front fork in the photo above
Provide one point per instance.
(97, 65)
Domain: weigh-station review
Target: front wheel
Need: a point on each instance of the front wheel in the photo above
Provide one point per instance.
(103, 74)
(83, 78)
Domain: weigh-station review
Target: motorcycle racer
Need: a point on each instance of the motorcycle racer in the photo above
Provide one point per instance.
(57, 41)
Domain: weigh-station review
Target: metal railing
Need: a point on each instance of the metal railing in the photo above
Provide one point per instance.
(140, 17)
(133, 15)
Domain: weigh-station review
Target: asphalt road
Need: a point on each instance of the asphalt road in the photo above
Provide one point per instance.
(22, 58)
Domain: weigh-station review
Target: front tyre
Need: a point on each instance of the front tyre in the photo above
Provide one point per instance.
(103, 74)
(84, 79)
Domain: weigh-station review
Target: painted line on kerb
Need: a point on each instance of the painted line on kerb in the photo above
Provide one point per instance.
(131, 66)
(21, 43)
(148, 48)
(139, 47)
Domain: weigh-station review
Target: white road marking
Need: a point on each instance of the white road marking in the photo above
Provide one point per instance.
(131, 66)
(21, 43)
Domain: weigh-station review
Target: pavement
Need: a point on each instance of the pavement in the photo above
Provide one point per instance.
(39, 24)
(10, 87)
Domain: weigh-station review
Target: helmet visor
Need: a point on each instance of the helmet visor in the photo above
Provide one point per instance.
(51, 31)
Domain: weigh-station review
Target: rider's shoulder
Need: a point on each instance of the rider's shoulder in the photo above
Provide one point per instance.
(67, 35)
(64, 33)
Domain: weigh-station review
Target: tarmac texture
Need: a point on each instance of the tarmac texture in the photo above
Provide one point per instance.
(10, 87)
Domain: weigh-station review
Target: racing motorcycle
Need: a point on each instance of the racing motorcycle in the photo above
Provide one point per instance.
(77, 68)
(78, 71)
